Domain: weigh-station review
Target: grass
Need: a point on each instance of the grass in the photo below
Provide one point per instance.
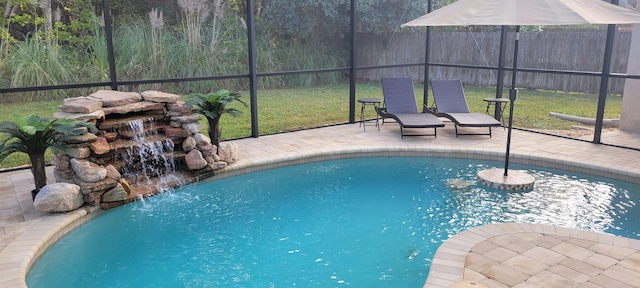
(281, 110)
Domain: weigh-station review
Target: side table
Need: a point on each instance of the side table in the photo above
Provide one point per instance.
(368, 101)
(501, 103)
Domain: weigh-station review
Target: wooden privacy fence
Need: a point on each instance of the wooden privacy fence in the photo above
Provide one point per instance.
(561, 50)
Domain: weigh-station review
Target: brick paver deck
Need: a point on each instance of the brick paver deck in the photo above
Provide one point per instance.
(500, 255)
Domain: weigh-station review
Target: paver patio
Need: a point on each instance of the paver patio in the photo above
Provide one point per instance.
(499, 255)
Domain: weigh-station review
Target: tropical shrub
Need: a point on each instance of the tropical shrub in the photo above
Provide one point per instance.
(33, 135)
(213, 106)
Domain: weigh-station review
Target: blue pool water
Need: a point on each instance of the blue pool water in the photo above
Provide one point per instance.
(365, 222)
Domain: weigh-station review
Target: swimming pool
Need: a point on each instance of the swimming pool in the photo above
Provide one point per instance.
(364, 222)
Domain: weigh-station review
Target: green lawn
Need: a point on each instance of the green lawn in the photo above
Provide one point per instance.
(282, 110)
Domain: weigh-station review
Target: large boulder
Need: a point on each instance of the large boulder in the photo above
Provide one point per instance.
(59, 197)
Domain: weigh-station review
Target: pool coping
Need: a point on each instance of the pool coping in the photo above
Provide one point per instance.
(18, 256)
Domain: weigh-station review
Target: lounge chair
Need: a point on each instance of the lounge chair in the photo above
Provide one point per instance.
(450, 102)
(400, 104)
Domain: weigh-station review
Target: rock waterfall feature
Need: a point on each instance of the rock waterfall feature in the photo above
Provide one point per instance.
(147, 142)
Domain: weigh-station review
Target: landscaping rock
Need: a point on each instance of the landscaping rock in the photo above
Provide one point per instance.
(61, 161)
(110, 98)
(194, 128)
(98, 114)
(110, 136)
(161, 97)
(208, 150)
(125, 185)
(116, 194)
(63, 175)
(133, 107)
(218, 165)
(180, 108)
(185, 119)
(173, 132)
(202, 140)
(80, 105)
(228, 152)
(112, 172)
(88, 171)
(189, 144)
(93, 199)
(79, 153)
(101, 186)
(87, 137)
(195, 161)
(100, 146)
(59, 197)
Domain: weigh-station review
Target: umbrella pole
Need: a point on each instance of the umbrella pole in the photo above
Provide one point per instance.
(513, 95)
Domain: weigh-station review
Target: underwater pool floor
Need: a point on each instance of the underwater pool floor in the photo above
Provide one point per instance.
(497, 255)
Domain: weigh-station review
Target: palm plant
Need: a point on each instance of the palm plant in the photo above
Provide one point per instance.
(213, 106)
(34, 135)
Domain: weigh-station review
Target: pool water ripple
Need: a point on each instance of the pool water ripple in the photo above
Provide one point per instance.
(364, 222)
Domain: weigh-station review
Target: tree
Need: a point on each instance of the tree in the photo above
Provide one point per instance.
(213, 106)
(68, 22)
(34, 135)
(323, 21)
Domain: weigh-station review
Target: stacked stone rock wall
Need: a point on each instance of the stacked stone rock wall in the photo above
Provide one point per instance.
(93, 162)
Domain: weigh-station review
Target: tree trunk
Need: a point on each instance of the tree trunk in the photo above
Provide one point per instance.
(214, 132)
(38, 170)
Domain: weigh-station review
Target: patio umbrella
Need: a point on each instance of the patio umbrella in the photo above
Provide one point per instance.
(525, 12)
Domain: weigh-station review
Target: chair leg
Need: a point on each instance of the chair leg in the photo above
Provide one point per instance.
(489, 131)
(456, 131)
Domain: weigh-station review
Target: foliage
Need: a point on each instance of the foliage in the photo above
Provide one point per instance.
(323, 21)
(34, 135)
(69, 22)
(213, 106)
(36, 64)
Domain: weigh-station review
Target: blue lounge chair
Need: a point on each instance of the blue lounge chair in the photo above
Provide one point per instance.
(450, 102)
(400, 104)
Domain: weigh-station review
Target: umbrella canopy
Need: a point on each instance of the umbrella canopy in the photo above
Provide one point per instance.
(527, 12)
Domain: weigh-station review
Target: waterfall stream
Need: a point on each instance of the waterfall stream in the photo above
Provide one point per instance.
(146, 158)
